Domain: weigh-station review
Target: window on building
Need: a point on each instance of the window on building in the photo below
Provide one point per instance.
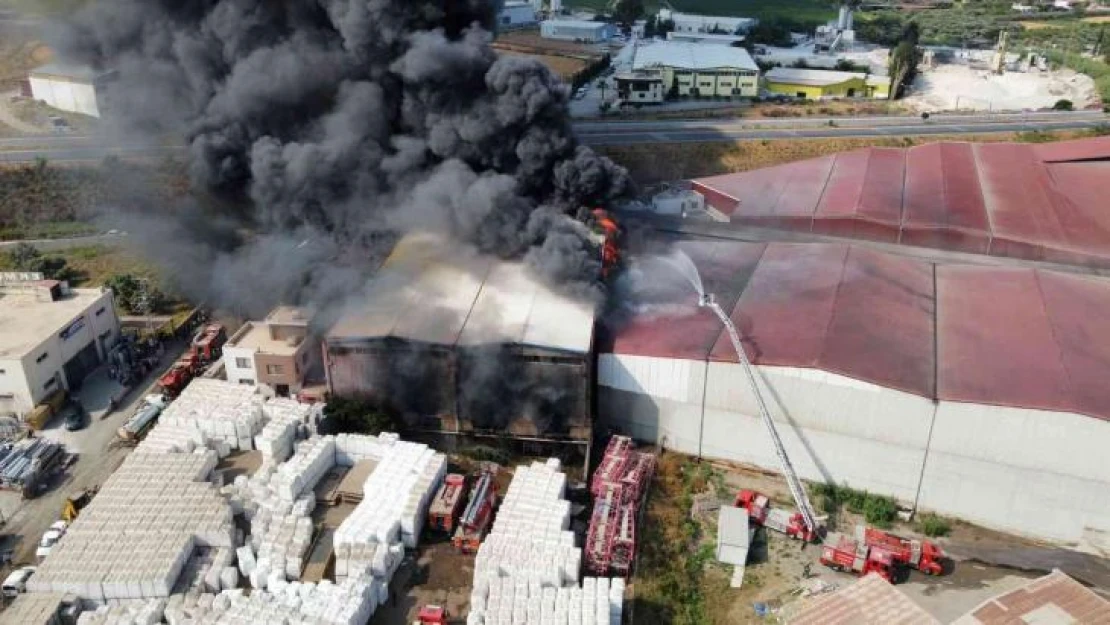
(49, 383)
(275, 369)
(99, 311)
(7, 395)
(246, 381)
(42, 357)
(243, 363)
(735, 91)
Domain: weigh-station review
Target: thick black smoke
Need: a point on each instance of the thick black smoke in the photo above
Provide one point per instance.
(326, 123)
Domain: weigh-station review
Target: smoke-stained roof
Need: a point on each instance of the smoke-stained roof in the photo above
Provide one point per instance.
(969, 333)
(1041, 202)
(435, 292)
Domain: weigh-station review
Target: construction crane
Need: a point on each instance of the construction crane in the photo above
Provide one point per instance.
(796, 488)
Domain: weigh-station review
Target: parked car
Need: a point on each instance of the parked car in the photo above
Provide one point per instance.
(17, 581)
(46, 544)
(75, 420)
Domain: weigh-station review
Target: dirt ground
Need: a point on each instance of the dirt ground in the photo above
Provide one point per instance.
(564, 66)
(962, 87)
(436, 574)
(780, 570)
(533, 42)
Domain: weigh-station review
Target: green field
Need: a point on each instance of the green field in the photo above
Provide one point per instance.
(800, 10)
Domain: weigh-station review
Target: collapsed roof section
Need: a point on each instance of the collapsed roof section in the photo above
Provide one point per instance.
(433, 292)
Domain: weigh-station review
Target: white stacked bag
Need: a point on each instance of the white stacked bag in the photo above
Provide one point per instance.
(226, 414)
(286, 421)
(526, 571)
(346, 603)
(138, 612)
(138, 534)
(393, 508)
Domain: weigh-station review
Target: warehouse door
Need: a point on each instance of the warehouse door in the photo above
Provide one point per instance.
(82, 363)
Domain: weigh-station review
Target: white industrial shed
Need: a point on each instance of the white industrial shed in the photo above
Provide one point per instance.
(68, 88)
(577, 30)
(971, 391)
(516, 14)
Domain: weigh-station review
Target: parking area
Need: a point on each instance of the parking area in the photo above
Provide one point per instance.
(97, 453)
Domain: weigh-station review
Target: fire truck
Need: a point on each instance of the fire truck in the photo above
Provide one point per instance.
(174, 380)
(477, 515)
(922, 555)
(204, 349)
(444, 509)
(208, 343)
(844, 553)
(761, 513)
(607, 235)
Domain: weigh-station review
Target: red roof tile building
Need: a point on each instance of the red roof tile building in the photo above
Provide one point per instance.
(975, 390)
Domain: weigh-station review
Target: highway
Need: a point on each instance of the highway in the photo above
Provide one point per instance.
(636, 133)
(73, 148)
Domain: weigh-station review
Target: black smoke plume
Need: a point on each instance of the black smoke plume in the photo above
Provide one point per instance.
(322, 126)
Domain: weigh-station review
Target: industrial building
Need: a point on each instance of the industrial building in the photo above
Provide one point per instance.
(278, 351)
(1038, 202)
(668, 69)
(707, 38)
(694, 23)
(975, 391)
(51, 337)
(837, 34)
(516, 13)
(457, 341)
(69, 88)
(581, 31)
(819, 84)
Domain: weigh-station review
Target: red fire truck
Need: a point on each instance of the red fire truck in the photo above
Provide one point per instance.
(922, 555)
(844, 553)
(761, 513)
(445, 508)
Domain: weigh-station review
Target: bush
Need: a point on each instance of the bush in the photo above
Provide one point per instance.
(1063, 105)
(933, 525)
(877, 510)
(357, 415)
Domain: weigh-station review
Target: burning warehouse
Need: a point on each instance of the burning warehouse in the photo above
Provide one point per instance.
(462, 342)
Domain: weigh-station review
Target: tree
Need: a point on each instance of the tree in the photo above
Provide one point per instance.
(626, 12)
(27, 257)
(904, 59)
(130, 292)
(22, 255)
(650, 27)
(357, 415)
(772, 32)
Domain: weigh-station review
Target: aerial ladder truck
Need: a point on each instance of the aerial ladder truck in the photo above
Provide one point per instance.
(797, 489)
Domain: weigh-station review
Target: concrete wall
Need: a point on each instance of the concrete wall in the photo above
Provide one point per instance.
(76, 97)
(720, 82)
(97, 324)
(1031, 472)
(1036, 472)
(240, 372)
(15, 395)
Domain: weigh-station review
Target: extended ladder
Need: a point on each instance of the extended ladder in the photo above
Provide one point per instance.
(795, 484)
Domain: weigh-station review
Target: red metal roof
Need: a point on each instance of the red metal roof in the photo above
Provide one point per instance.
(992, 335)
(1028, 201)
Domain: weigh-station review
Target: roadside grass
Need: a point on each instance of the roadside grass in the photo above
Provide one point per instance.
(650, 164)
(47, 230)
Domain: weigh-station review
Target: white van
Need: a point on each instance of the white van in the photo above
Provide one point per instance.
(17, 581)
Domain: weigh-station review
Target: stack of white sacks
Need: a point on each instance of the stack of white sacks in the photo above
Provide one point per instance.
(526, 571)
(393, 508)
(326, 603)
(278, 501)
(228, 415)
(139, 532)
(139, 612)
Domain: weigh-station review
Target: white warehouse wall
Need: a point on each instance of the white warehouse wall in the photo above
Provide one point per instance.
(66, 95)
(834, 428)
(653, 399)
(1034, 472)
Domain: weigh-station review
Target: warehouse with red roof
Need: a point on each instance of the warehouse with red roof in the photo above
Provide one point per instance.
(977, 391)
(1038, 202)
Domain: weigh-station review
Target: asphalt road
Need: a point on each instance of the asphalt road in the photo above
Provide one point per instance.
(53, 245)
(70, 148)
(709, 133)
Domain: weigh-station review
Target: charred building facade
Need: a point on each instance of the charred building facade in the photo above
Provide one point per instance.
(460, 342)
